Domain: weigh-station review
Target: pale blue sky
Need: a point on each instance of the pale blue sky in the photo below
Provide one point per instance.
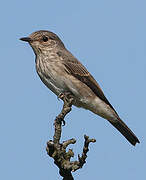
(109, 38)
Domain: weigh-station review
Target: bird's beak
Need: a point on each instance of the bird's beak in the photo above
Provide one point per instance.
(27, 39)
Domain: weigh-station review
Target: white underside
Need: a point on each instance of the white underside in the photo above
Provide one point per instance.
(95, 105)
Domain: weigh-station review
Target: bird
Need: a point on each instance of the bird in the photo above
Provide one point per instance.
(62, 72)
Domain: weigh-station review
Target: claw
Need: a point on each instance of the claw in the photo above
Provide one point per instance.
(60, 96)
(67, 97)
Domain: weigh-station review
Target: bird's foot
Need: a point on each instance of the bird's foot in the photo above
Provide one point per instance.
(67, 97)
(64, 96)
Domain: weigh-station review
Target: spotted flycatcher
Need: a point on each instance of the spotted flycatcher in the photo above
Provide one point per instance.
(61, 72)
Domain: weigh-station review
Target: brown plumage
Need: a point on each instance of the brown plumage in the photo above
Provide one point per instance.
(81, 73)
(62, 72)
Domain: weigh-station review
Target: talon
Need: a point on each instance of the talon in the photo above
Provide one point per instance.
(67, 97)
(60, 96)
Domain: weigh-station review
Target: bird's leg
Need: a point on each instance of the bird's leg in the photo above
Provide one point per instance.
(68, 100)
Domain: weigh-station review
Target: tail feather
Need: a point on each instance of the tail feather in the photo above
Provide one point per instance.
(125, 131)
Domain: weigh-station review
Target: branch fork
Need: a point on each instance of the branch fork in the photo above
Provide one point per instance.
(57, 150)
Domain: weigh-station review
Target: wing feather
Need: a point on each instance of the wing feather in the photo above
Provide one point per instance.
(76, 69)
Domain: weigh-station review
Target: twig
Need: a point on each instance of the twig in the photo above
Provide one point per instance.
(57, 150)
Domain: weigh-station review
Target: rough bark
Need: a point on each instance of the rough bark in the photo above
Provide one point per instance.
(57, 150)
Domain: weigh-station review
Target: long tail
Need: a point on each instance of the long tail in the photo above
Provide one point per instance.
(127, 133)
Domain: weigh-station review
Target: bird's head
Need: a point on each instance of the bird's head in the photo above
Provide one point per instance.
(43, 41)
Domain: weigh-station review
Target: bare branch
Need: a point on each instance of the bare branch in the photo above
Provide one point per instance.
(57, 150)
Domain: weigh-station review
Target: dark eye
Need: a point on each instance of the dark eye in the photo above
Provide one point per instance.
(45, 38)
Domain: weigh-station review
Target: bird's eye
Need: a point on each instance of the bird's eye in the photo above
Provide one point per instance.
(45, 38)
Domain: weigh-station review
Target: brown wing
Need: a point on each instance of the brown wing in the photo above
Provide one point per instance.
(75, 68)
